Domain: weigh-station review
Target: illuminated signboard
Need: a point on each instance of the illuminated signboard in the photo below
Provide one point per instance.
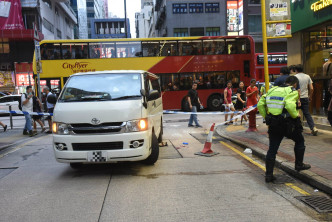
(319, 5)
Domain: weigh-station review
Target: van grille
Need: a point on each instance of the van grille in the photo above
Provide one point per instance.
(86, 128)
(97, 146)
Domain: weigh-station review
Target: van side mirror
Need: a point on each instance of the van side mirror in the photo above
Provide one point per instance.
(143, 93)
(153, 94)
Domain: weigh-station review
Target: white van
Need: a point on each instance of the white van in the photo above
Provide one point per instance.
(108, 116)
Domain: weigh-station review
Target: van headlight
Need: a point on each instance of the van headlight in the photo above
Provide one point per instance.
(60, 128)
(136, 125)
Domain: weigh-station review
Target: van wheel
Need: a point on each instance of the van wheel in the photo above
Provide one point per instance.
(76, 166)
(214, 103)
(160, 137)
(154, 151)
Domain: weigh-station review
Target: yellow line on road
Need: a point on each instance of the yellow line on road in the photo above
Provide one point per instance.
(243, 155)
(298, 189)
(20, 146)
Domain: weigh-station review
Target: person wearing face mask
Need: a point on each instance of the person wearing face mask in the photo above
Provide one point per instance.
(27, 108)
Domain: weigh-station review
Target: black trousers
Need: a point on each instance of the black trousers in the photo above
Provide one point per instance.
(275, 137)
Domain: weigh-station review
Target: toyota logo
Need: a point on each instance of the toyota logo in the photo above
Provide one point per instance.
(95, 121)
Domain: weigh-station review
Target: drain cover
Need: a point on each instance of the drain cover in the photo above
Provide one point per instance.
(320, 203)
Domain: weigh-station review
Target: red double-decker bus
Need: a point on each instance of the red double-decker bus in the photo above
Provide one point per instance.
(218, 60)
(178, 61)
(276, 60)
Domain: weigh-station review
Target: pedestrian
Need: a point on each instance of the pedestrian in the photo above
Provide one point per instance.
(284, 73)
(241, 101)
(327, 67)
(252, 99)
(27, 108)
(292, 70)
(278, 106)
(37, 107)
(228, 102)
(4, 126)
(306, 90)
(329, 109)
(50, 107)
(194, 104)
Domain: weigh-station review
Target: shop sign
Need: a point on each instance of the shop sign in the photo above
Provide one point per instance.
(22, 79)
(319, 5)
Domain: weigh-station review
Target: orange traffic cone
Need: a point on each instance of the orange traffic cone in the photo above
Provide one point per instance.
(207, 146)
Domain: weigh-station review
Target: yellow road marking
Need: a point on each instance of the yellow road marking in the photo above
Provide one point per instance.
(20, 146)
(244, 156)
(298, 189)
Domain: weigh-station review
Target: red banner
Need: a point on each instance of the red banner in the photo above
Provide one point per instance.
(11, 15)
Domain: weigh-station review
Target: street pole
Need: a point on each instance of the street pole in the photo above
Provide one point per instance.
(266, 63)
(125, 12)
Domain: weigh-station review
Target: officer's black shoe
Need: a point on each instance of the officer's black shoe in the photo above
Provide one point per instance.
(25, 132)
(269, 170)
(269, 178)
(299, 165)
(302, 166)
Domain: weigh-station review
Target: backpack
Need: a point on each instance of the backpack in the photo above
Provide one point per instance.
(51, 99)
(20, 102)
(35, 104)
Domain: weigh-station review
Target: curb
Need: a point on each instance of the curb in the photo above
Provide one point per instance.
(306, 176)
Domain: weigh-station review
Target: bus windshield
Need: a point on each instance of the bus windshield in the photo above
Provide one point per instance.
(102, 87)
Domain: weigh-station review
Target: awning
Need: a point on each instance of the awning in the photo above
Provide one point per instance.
(20, 34)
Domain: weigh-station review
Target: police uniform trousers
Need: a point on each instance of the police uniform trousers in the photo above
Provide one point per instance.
(277, 133)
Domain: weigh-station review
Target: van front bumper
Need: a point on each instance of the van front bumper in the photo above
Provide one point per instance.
(78, 148)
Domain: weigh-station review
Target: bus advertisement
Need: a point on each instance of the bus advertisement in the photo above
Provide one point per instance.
(179, 61)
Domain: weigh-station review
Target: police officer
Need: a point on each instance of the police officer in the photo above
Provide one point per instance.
(278, 107)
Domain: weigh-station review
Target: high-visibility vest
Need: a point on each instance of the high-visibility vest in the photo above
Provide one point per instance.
(277, 99)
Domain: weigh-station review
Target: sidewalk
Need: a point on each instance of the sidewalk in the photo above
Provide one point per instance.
(318, 152)
(15, 135)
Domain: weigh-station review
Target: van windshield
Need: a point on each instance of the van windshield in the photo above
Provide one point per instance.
(102, 87)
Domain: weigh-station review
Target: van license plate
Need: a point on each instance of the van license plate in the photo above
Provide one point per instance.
(97, 156)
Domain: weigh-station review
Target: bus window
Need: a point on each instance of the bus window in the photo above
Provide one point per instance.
(238, 46)
(168, 48)
(277, 59)
(186, 81)
(234, 77)
(150, 49)
(214, 46)
(95, 50)
(50, 51)
(169, 82)
(217, 79)
(108, 50)
(243, 45)
(75, 51)
(190, 47)
(128, 49)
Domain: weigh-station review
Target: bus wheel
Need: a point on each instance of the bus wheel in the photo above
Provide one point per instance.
(154, 151)
(215, 103)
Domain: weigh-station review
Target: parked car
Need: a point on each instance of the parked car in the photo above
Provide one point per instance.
(12, 100)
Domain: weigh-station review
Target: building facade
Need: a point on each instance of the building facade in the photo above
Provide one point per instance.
(86, 10)
(189, 18)
(109, 28)
(143, 19)
(31, 20)
(311, 44)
